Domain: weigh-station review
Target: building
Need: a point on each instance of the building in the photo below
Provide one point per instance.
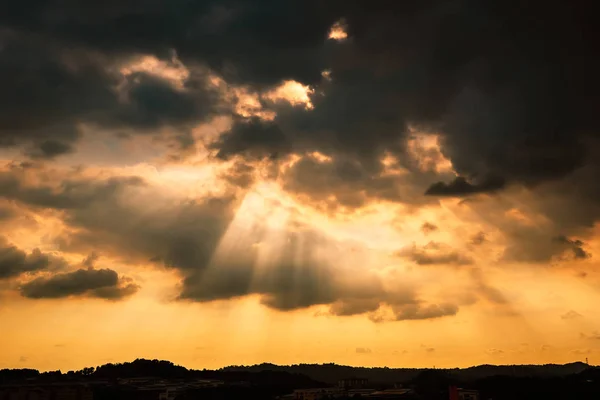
(463, 394)
(46, 392)
(353, 383)
(318, 394)
(391, 394)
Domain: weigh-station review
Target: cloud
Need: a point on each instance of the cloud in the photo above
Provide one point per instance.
(418, 312)
(6, 213)
(494, 352)
(534, 245)
(582, 351)
(461, 187)
(595, 335)
(221, 247)
(15, 262)
(252, 137)
(571, 314)
(478, 239)
(49, 149)
(93, 283)
(363, 350)
(428, 227)
(576, 247)
(435, 253)
(485, 290)
(399, 70)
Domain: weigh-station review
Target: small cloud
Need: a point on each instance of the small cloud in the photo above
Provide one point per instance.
(571, 315)
(478, 239)
(93, 283)
(90, 260)
(427, 349)
(494, 352)
(428, 228)
(59, 345)
(397, 353)
(424, 311)
(434, 253)
(23, 359)
(545, 347)
(363, 350)
(595, 335)
(581, 351)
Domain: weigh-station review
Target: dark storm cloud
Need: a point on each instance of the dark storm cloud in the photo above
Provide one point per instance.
(49, 149)
(253, 138)
(345, 182)
(96, 283)
(507, 90)
(14, 261)
(49, 89)
(512, 91)
(258, 42)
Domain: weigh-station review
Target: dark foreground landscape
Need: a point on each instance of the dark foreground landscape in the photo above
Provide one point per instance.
(162, 380)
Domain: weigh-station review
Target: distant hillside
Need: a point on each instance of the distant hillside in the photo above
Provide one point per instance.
(331, 373)
(164, 370)
(299, 376)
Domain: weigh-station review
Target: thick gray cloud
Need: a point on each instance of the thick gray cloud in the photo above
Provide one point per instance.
(14, 261)
(95, 283)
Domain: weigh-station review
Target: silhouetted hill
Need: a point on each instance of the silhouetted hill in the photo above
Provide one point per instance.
(164, 370)
(331, 373)
(300, 375)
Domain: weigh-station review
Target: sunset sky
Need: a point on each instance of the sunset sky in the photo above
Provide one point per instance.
(379, 183)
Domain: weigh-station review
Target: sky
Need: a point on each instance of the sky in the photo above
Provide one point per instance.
(374, 183)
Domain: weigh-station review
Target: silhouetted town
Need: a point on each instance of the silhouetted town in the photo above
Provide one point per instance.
(162, 380)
